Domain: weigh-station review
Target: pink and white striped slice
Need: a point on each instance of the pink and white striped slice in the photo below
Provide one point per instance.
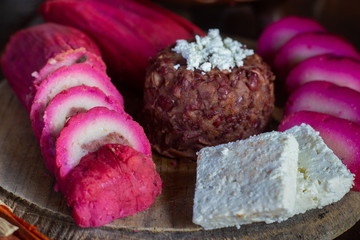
(65, 105)
(62, 79)
(87, 132)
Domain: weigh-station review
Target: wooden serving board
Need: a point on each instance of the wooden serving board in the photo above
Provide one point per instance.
(28, 188)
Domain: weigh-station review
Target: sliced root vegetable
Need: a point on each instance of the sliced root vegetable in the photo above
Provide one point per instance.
(63, 106)
(278, 33)
(30, 49)
(87, 132)
(340, 135)
(113, 182)
(325, 97)
(309, 44)
(128, 32)
(342, 71)
(62, 79)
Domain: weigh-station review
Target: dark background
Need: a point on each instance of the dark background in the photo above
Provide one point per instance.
(236, 18)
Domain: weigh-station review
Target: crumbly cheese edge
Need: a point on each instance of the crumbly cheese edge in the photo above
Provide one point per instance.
(322, 178)
(286, 193)
(211, 51)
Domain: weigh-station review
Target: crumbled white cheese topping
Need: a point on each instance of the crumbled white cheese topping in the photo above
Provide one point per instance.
(35, 74)
(210, 52)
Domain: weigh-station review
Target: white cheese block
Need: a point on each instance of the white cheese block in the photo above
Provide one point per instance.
(321, 178)
(246, 181)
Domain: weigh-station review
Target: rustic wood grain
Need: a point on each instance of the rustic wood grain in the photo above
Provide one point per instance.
(28, 188)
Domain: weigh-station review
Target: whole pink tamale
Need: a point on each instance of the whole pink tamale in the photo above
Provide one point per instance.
(128, 33)
(32, 53)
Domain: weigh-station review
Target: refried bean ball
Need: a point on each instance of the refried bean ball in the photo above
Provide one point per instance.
(186, 110)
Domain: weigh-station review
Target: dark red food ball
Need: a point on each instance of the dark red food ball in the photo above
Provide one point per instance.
(186, 110)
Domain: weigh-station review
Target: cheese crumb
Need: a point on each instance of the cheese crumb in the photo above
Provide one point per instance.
(52, 61)
(210, 52)
(35, 74)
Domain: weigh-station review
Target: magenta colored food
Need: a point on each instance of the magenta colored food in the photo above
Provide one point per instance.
(68, 58)
(87, 132)
(143, 7)
(62, 79)
(114, 182)
(128, 32)
(309, 44)
(63, 106)
(340, 135)
(342, 71)
(278, 33)
(33, 48)
(325, 97)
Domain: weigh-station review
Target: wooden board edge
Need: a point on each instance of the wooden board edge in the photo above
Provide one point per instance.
(59, 226)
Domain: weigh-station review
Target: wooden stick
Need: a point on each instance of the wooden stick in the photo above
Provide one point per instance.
(25, 230)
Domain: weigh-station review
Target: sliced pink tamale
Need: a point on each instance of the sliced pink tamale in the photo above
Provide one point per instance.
(342, 71)
(64, 78)
(309, 44)
(325, 97)
(87, 132)
(114, 182)
(278, 33)
(32, 49)
(64, 105)
(68, 58)
(340, 135)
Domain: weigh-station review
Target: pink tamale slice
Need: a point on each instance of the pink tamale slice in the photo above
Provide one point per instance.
(325, 97)
(30, 49)
(309, 44)
(276, 34)
(114, 182)
(342, 71)
(340, 135)
(87, 132)
(64, 105)
(68, 58)
(64, 78)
